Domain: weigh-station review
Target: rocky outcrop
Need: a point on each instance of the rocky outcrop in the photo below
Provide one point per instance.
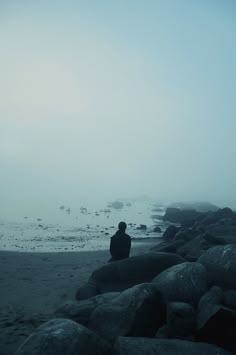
(191, 217)
(122, 274)
(176, 215)
(198, 206)
(177, 299)
(64, 337)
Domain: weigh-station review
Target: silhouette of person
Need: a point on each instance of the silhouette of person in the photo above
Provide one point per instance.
(120, 243)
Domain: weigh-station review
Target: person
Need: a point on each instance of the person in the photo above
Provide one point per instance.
(120, 243)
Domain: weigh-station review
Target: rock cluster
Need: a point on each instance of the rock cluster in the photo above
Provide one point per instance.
(178, 299)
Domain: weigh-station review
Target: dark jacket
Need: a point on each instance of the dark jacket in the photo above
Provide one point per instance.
(120, 245)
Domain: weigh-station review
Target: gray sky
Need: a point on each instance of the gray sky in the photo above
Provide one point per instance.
(105, 99)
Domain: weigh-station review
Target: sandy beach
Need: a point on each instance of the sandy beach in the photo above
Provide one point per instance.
(33, 285)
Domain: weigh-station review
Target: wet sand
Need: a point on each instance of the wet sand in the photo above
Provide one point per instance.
(33, 285)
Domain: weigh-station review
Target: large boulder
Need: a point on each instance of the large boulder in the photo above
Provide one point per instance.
(185, 282)
(80, 311)
(63, 337)
(229, 299)
(216, 323)
(220, 263)
(218, 326)
(181, 320)
(122, 274)
(137, 312)
(170, 232)
(208, 305)
(141, 346)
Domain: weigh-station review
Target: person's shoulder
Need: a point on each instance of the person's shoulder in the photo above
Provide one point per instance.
(128, 236)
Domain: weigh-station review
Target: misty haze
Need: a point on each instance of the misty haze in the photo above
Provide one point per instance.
(111, 111)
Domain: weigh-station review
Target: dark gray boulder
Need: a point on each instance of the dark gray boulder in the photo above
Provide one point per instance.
(185, 282)
(229, 299)
(80, 311)
(136, 312)
(170, 232)
(181, 320)
(63, 337)
(122, 274)
(217, 325)
(220, 263)
(208, 305)
(141, 346)
(185, 234)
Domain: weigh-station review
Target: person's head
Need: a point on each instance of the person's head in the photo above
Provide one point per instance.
(122, 226)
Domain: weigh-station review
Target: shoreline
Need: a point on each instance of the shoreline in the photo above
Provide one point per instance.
(34, 284)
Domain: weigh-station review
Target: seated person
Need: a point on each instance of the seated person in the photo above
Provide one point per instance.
(120, 243)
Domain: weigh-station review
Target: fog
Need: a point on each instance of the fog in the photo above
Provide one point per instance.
(103, 99)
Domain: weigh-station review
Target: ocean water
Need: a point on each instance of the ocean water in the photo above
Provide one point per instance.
(78, 228)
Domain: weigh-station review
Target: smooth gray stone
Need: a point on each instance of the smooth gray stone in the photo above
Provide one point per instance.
(185, 282)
